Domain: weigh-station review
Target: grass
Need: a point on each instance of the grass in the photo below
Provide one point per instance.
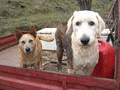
(41, 13)
(102, 6)
(40, 21)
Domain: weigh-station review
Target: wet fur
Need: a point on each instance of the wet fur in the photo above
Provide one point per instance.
(81, 59)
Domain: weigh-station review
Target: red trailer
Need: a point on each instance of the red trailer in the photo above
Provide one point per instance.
(14, 78)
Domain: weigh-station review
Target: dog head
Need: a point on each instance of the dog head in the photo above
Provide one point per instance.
(86, 26)
(27, 42)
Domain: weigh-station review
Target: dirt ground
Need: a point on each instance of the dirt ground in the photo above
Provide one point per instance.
(50, 61)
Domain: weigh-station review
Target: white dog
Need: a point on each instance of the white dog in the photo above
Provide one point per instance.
(80, 41)
(86, 27)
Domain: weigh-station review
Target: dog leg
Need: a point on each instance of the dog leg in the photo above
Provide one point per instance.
(36, 66)
(69, 67)
(70, 71)
(88, 70)
(59, 55)
(69, 60)
(23, 65)
(40, 65)
(40, 62)
(80, 71)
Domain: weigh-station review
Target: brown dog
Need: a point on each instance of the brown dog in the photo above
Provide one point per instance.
(59, 36)
(30, 48)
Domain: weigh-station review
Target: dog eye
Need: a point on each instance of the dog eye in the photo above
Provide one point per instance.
(91, 23)
(30, 41)
(23, 42)
(78, 23)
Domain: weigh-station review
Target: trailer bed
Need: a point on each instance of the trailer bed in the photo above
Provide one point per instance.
(10, 56)
(14, 78)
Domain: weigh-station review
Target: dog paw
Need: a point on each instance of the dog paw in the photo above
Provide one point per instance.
(80, 72)
(70, 71)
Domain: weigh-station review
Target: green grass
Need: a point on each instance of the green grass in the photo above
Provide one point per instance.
(41, 13)
(39, 20)
(102, 6)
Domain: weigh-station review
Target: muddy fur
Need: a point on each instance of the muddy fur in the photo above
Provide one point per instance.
(79, 39)
(63, 42)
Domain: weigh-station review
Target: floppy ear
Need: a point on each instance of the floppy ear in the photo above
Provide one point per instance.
(17, 34)
(32, 31)
(69, 24)
(101, 24)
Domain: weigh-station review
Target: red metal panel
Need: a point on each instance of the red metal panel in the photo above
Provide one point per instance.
(26, 79)
(27, 85)
(118, 54)
(5, 87)
(78, 87)
(8, 40)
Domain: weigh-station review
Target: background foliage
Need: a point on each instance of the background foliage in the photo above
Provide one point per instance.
(42, 13)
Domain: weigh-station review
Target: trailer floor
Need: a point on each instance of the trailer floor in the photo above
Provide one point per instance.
(10, 57)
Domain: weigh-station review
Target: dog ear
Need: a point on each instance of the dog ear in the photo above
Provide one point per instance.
(32, 31)
(101, 24)
(69, 24)
(17, 34)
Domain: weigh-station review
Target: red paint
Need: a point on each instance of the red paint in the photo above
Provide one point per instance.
(8, 40)
(27, 79)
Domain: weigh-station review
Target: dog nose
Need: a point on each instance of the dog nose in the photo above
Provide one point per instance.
(85, 40)
(28, 49)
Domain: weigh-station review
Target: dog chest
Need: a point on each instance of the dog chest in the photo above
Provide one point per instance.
(84, 57)
(28, 59)
(83, 61)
